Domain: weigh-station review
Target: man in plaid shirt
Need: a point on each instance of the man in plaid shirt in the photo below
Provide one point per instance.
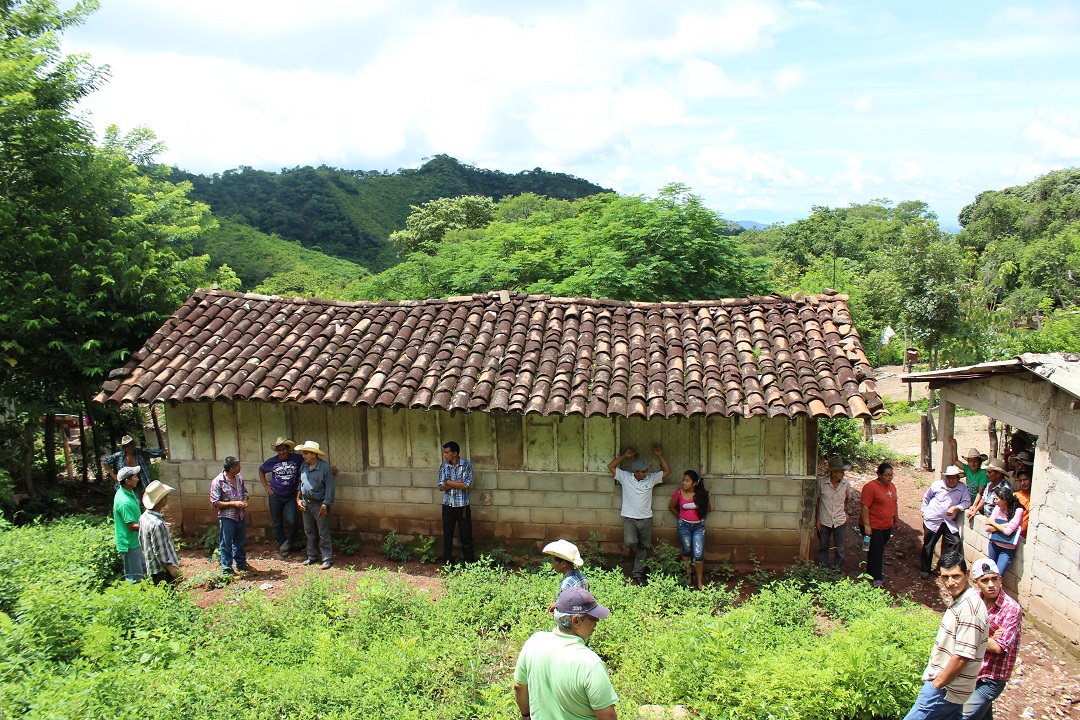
(1001, 646)
(455, 479)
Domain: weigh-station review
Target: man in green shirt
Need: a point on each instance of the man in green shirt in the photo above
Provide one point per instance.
(974, 472)
(126, 513)
(557, 676)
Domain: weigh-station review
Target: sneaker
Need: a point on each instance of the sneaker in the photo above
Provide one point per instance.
(246, 568)
(311, 561)
(326, 565)
(924, 575)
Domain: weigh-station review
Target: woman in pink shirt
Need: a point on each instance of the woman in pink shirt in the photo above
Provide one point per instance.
(1006, 519)
(690, 504)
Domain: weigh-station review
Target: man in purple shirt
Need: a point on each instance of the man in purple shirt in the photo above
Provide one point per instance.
(284, 478)
(941, 505)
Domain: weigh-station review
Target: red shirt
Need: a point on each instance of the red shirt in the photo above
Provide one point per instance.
(881, 499)
(1005, 614)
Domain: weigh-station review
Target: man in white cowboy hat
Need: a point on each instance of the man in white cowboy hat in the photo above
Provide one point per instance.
(283, 470)
(314, 499)
(995, 480)
(942, 504)
(130, 455)
(126, 513)
(566, 559)
(1002, 644)
(637, 511)
(557, 675)
(155, 537)
(972, 465)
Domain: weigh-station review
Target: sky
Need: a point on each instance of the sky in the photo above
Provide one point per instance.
(763, 108)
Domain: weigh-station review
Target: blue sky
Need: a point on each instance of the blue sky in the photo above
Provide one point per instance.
(763, 108)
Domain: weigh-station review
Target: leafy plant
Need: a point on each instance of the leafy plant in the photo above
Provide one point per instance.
(210, 540)
(665, 559)
(346, 544)
(424, 548)
(394, 548)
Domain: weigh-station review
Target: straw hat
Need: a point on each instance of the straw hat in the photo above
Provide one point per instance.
(310, 446)
(126, 440)
(996, 464)
(953, 470)
(282, 441)
(838, 464)
(154, 492)
(973, 453)
(564, 550)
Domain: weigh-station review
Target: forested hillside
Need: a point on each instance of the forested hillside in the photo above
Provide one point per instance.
(350, 213)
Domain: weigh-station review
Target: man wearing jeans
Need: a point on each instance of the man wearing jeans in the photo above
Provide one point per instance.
(455, 480)
(229, 496)
(637, 484)
(1002, 645)
(949, 678)
(284, 472)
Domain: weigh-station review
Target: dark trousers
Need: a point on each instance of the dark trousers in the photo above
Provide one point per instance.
(462, 518)
(831, 537)
(949, 541)
(162, 577)
(876, 554)
(283, 512)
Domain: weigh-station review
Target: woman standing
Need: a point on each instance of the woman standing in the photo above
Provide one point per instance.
(690, 504)
(1005, 524)
(879, 516)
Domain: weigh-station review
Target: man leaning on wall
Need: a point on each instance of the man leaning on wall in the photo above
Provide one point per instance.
(637, 511)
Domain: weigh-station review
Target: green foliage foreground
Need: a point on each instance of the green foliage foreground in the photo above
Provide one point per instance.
(382, 648)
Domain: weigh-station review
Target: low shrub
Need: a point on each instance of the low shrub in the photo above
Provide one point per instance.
(394, 548)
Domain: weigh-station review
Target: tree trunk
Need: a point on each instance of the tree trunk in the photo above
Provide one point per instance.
(83, 451)
(157, 428)
(50, 448)
(87, 403)
(991, 430)
(28, 459)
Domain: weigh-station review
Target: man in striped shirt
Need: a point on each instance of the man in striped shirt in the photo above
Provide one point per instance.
(1002, 645)
(958, 651)
(155, 536)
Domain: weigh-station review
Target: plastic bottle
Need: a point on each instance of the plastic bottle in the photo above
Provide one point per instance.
(866, 543)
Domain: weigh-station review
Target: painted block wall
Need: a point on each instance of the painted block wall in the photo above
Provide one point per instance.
(536, 478)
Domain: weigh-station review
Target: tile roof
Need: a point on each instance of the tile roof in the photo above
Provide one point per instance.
(750, 357)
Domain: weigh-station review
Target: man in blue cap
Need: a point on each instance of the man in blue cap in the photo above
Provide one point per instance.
(557, 675)
(637, 484)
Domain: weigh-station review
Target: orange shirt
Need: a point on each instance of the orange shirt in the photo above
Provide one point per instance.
(1025, 502)
(881, 499)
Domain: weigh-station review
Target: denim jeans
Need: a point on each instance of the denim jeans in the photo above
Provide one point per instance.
(980, 706)
(931, 705)
(637, 535)
(233, 539)
(876, 554)
(1001, 556)
(949, 541)
(134, 565)
(283, 512)
(831, 536)
(692, 538)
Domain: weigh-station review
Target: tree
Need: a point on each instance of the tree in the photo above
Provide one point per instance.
(428, 223)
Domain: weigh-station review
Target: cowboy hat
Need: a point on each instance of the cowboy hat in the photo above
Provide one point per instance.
(996, 464)
(282, 441)
(155, 491)
(126, 440)
(973, 453)
(838, 464)
(564, 550)
(309, 446)
(953, 470)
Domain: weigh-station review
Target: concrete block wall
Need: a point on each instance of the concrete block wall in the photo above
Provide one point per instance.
(536, 478)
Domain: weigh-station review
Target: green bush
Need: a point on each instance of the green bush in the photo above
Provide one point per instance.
(839, 437)
(394, 548)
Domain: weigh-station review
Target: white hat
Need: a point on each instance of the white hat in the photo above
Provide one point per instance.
(953, 470)
(983, 566)
(126, 472)
(283, 441)
(154, 492)
(309, 446)
(565, 550)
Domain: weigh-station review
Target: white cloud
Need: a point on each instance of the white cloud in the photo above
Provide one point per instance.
(906, 170)
(788, 78)
(855, 175)
(699, 79)
(805, 5)
(736, 169)
(733, 27)
(1025, 170)
(863, 103)
(1056, 134)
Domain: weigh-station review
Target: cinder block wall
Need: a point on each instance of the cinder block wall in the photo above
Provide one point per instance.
(536, 479)
(1045, 575)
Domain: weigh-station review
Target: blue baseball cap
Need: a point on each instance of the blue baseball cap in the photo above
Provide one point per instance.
(578, 601)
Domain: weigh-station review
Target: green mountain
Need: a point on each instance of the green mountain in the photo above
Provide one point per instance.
(350, 213)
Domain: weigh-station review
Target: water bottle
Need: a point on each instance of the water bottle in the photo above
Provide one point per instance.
(866, 543)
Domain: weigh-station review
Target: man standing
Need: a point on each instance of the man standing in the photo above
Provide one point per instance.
(637, 512)
(941, 505)
(455, 479)
(958, 650)
(131, 455)
(1001, 647)
(155, 536)
(974, 473)
(832, 518)
(229, 496)
(314, 499)
(284, 472)
(878, 516)
(995, 479)
(557, 676)
(126, 519)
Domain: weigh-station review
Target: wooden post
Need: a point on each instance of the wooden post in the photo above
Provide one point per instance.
(867, 430)
(926, 443)
(991, 430)
(49, 445)
(947, 428)
(69, 466)
(83, 450)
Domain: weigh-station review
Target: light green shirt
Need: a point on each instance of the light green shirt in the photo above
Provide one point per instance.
(976, 481)
(566, 680)
(125, 510)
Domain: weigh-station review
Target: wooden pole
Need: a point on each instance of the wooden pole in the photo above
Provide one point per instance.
(83, 452)
(157, 427)
(49, 445)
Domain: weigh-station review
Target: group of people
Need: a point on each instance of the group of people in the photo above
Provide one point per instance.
(998, 496)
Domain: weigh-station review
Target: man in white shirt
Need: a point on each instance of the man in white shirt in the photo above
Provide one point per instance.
(832, 517)
(637, 484)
